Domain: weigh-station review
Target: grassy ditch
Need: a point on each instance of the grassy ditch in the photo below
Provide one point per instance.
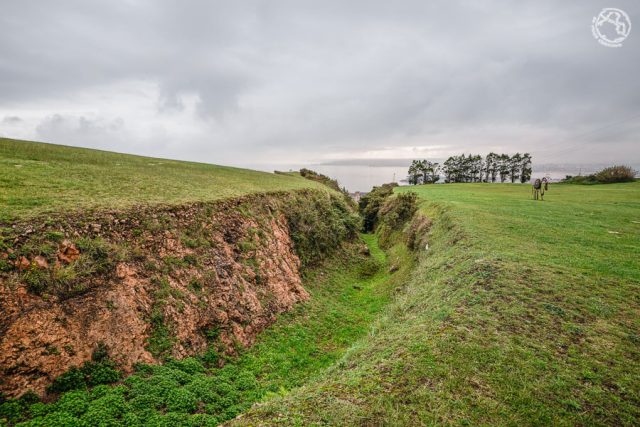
(519, 313)
(348, 291)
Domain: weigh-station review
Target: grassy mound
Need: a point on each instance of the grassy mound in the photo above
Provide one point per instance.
(36, 178)
(519, 313)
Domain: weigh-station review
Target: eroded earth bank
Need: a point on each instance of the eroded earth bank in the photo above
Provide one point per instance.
(142, 285)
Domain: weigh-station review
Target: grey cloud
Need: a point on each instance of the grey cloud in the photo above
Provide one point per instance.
(217, 91)
(11, 120)
(285, 78)
(82, 131)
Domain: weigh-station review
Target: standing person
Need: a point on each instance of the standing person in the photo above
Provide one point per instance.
(537, 189)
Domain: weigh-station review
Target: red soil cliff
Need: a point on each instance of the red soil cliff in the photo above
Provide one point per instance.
(148, 284)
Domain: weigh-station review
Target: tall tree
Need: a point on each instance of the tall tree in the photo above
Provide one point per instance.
(449, 169)
(515, 166)
(491, 168)
(477, 165)
(464, 170)
(525, 168)
(503, 167)
(430, 172)
(422, 169)
(414, 173)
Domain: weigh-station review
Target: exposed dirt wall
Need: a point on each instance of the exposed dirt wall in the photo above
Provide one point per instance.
(148, 284)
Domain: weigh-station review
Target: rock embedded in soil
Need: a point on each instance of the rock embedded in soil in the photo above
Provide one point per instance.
(40, 262)
(68, 252)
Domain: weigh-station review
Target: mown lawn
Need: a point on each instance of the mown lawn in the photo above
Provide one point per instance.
(519, 313)
(37, 178)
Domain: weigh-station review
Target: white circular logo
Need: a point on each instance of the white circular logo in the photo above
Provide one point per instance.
(611, 27)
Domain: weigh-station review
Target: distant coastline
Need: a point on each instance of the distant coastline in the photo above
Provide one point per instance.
(362, 174)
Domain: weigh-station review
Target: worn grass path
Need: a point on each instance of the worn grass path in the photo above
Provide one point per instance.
(520, 313)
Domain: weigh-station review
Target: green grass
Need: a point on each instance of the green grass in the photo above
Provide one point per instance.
(587, 229)
(519, 313)
(303, 343)
(37, 178)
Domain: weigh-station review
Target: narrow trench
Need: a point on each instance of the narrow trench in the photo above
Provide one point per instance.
(347, 294)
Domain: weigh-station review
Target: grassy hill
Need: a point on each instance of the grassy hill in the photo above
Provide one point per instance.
(37, 178)
(519, 313)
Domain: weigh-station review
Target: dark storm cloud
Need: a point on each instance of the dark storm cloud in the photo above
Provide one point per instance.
(273, 81)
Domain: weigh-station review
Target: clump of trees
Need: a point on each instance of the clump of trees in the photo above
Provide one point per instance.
(473, 168)
(605, 176)
(423, 172)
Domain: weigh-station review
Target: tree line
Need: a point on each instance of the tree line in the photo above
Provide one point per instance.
(472, 168)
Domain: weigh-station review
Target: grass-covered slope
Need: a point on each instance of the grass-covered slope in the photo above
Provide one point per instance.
(37, 178)
(520, 313)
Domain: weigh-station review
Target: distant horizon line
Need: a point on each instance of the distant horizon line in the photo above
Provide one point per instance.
(406, 162)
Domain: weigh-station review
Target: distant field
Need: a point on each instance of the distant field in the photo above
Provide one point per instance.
(519, 313)
(36, 178)
(591, 228)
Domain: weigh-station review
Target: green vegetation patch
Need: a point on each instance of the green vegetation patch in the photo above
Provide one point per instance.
(370, 204)
(97, 259)
(99, 370)
(318, 224)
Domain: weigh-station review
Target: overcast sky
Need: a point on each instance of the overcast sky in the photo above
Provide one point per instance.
(247, 82)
